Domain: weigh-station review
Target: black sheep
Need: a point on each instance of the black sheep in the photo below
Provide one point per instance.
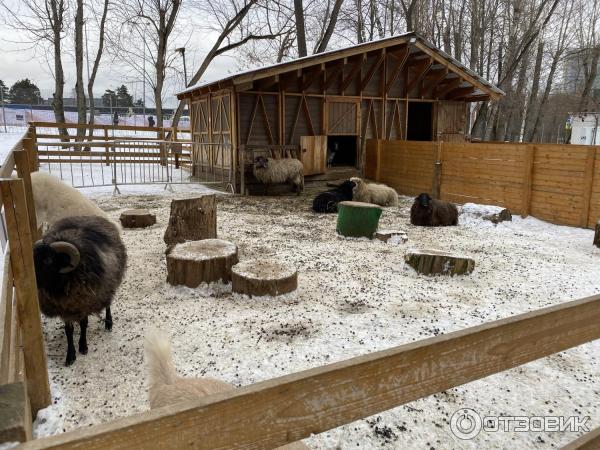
(428, 212)
(326, 202)
(79, 264)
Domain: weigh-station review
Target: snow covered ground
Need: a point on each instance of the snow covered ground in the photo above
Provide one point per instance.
(7, 142)
(354, 297)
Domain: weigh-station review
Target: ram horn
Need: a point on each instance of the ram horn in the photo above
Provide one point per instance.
(71, 251)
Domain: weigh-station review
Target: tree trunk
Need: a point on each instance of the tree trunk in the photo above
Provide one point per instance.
(90, 86)
(330, 27)
(589, 80)
(196, 262)
(434, 262)
(192, 219)
(300, 31)
(546, 94)
(597, 235)
(263, 277)
(79, 87)
(59, 76)
(533, 96)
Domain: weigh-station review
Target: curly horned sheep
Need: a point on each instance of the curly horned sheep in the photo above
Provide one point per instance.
(167, 388)
(326, 202)
(285, 170)
(79, 264)
(379, 194)
(55, 200)
(428, 212)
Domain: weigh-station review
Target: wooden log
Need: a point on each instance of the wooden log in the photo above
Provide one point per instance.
(391, 236)
(358, 219)
(195, 262)
(434, 262)
(496, 218)
(597, 235)
(15, 413)
(263, 277)
(192, 219)
(137, 218)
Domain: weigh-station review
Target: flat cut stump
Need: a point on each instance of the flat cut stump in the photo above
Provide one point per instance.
(435, 262)
(391, 236)
(597, 235)
(137, 218)
(195, 262)
(358, 219)
(192, 219)
(260, 277)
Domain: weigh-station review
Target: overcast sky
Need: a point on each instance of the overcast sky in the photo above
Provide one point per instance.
(19, 60)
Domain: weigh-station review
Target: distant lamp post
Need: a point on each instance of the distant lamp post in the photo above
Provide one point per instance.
(181, 51)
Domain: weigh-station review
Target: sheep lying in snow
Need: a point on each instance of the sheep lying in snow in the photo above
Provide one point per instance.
(166, 387)
(79, 264)
(273, 171)
(427, 212)
(326, 202)
(379, 194)
(55, 200)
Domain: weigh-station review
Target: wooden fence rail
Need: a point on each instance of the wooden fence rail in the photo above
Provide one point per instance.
(557, 183)
(286, 409)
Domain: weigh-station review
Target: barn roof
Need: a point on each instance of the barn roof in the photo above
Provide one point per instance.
(418, 48)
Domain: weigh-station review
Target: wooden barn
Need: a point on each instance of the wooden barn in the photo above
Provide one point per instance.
(323, 108)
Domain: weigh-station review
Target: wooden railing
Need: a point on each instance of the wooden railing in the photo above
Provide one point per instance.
(281, 410)
(23, 368)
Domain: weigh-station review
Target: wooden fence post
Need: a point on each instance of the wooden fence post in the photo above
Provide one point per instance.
(588, 182)
(527, 180)
(106, 145)
(21, 258)
(437, 171)
(23, 171)
(378, 153)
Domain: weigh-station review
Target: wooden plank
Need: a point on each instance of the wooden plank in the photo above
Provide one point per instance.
(402, 58)
(21, 256)
(286, 409)
(589, 441)
(354, 71)
(15, 414)
(371, 72)
(8, 166)
(588, 183)
(422, 69)
(23, 171)
(6, 314)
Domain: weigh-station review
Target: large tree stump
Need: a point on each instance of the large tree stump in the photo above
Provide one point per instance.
(434, 262)
(358, 219)
(263, 277)
(195, 262)
(137, 218)
(192, 219)
(391, 236)
(597, 235)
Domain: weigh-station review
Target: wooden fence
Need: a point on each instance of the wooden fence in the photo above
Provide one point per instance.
(557, 183)
(282, 410)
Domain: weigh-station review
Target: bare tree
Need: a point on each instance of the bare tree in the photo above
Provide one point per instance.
(300, 28)
(79, 88)
(99, 52)
(43, 22)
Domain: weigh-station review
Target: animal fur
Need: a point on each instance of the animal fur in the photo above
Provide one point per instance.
(55, 200)
(428, 212)
(379, 194)
(274, 171)
(326, 202)
(167, 388)
(72, 288)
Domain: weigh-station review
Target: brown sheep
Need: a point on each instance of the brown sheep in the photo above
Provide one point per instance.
(428, 212)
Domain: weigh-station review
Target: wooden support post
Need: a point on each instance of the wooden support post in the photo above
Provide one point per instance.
(106, 149)
(378, 153)
(437, 172)
(6, 314)
(21, 258)
(588, 182)
(527, 180)
(23, 171)
(597, 235)
(32, 156)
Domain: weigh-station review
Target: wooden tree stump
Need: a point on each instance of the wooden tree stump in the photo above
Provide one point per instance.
(195, 262)
(433, 262)
(358, 219)
(263, 277)
(498, 217)
(391, 236)
(192, 219)
(597, 235)
(137, 218)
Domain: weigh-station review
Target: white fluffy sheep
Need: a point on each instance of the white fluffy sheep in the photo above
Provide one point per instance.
(273, 171)
(166, 387)
(55, 200)
(379, 194)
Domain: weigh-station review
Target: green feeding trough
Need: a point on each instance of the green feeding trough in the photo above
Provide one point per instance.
(358, 219)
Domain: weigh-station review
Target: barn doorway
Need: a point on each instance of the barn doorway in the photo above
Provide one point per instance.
(341, 151)
(419, 125)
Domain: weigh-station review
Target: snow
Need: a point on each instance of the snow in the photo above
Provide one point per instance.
(8, 141)
(355, 296)
(211, 248)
